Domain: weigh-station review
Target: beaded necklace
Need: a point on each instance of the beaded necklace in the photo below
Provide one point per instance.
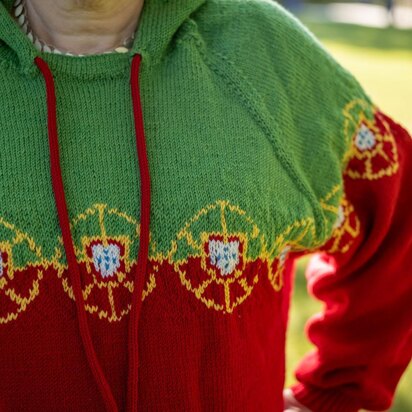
(20, 14)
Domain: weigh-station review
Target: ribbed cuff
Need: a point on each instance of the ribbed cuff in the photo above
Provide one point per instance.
(324, 400)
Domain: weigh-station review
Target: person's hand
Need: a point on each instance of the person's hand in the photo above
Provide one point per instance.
(291, 404)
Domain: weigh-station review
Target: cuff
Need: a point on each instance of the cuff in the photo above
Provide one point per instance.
(320, 400)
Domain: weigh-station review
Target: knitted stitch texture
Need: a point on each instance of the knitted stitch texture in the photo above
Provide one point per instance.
(261, 149)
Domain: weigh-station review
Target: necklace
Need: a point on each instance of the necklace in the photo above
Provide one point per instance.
(21, 15)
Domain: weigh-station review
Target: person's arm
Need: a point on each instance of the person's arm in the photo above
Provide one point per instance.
(363, 338)
(311, 110)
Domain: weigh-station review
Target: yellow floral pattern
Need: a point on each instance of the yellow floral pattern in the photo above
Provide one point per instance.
(373, 152)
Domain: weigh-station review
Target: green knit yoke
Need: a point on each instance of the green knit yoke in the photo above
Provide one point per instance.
(244, 123)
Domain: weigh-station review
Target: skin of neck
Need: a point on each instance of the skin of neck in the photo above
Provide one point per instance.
(83, 26)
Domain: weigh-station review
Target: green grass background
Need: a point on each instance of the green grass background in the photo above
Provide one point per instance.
(381, 59)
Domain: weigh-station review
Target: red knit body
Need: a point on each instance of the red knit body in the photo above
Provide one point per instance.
(190, 360)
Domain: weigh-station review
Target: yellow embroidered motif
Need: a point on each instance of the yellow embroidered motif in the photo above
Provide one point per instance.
(219, 255)
(215, 265)
(346, 226)
(293, 239)
(346, 229)
(19, 286)
(333, 197)
(373, 153)
(105, 264)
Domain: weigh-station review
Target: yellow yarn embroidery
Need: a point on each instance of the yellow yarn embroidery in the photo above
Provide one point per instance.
(10, 297)
(115, 278)
(347, 224)
(223, 254)
(185, 238)
(367, 142)
(293, 239)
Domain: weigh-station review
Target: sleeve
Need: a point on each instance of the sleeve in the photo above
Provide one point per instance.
(363, 274)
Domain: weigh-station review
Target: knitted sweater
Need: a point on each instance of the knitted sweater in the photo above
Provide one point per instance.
(153, 205)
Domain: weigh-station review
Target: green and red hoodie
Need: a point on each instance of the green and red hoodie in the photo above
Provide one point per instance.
(153, 204)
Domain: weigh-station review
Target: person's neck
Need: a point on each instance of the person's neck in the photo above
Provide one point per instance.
(83, 26)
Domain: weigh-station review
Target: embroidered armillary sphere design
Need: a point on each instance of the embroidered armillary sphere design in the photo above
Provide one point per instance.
(373, 153)
(106, 267)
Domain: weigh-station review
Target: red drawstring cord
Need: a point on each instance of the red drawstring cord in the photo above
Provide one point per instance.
(58, 189)
(74, 273)
(139, 280)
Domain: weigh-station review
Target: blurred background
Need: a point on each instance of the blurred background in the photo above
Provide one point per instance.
(373, 39)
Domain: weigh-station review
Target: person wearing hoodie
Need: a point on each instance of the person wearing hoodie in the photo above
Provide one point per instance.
(163, 165)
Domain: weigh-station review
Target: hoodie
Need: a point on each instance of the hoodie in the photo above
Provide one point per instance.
(153, 204)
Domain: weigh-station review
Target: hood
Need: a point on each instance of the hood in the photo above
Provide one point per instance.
(159, 21)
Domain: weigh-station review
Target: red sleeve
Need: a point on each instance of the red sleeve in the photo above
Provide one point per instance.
(363, 274)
